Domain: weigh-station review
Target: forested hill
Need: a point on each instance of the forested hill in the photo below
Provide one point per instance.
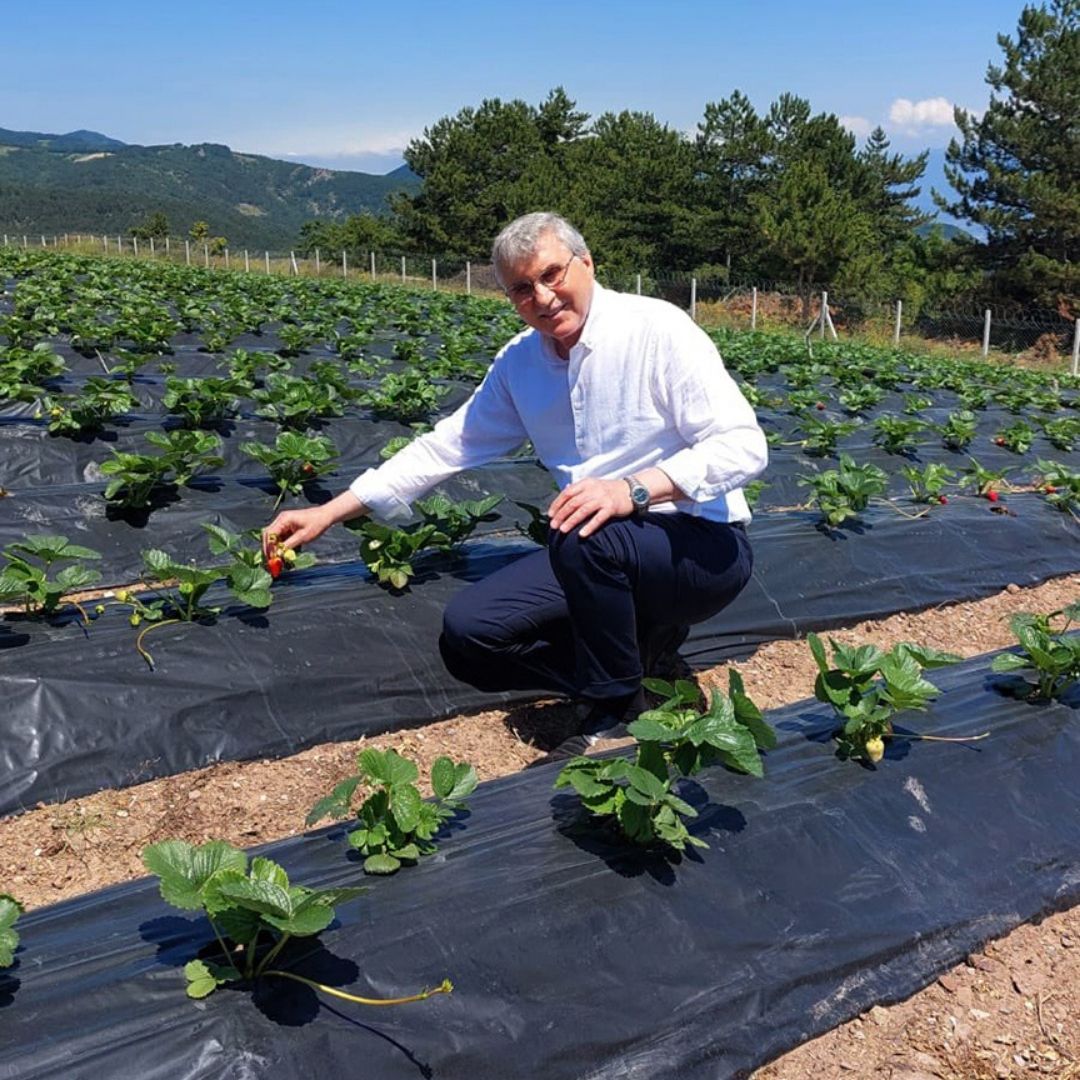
(87, 182)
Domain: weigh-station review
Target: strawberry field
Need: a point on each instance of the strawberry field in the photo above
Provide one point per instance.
(152, 418)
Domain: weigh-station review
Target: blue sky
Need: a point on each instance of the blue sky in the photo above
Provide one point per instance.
(347, 84)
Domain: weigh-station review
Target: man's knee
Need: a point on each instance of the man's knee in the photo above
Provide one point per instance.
(572, 551)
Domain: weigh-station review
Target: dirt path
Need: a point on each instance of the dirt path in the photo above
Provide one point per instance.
(1009, 1012)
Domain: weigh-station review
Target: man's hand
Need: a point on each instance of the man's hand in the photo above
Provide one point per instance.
(590, 501)
(291, 528)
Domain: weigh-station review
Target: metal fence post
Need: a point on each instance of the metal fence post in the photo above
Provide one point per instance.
(693, 299)
(1076, 349)
(206, 255)
(318, 263)
(247, 262)
(753, 308)
(187, 252)
(373, 265)
(896, 329)
(292, 259)
(639, 284)
(824, 312)
(267, 254)
(226, 258)
(468, 278)
(986, 335)
(402, 269)
(152, 252)
(434, 276)
(344, 264)
(168, 250)
(134, 244)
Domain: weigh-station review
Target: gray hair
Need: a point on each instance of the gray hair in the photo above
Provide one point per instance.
(522, 237)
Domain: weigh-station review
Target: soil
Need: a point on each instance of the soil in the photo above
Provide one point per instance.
(1012, 1010)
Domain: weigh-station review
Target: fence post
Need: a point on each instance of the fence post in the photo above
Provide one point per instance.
(168, 250)
(986, 335)
(1076, 349)
(373, 265)
(134, 244)
(896, 329)
(43, 244)
(402, 269)
(104, 243)
(187, 252)
(693, 299)
(24, 240)
(344, 264)
(639, 284)
(206, 255)
(226, 258)
(119, 246)
(468, 278)
(292, 259)
(247, 262)
(318, 264)
(152, 252)
(753, 308)
(267, 254)
(434, 277)
(824, 312)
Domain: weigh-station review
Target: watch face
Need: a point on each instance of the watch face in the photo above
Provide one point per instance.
(639, 496)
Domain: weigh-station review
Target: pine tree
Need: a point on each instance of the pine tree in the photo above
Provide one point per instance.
(1017, 169)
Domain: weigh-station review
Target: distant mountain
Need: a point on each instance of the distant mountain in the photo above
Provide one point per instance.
(934, 178)
(86, 182)
(74, 142)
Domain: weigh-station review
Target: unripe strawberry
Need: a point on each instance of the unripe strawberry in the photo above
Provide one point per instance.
(875, 749)
(288, 555)
(135, 618)
(123, 596)
(99, 609)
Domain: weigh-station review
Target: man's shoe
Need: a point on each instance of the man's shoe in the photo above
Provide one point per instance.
(603, 720)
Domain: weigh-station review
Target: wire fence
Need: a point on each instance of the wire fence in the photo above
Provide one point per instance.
(1045, 338)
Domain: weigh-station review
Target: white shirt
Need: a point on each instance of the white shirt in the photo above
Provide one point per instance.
(644, 386)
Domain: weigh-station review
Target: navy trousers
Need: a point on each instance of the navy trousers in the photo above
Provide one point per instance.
(572, 619)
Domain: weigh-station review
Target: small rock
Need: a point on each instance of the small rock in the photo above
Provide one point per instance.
(879, 1015)
(1067, 942)
(1029, 981)
(949, 982)
(985, 963)
(193, 794)
(1012, 587)
(980, 1014)
(121, 813)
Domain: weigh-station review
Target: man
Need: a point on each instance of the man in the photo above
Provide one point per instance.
(628, 404)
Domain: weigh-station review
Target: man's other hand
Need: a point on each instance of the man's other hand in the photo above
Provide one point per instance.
(589, 503)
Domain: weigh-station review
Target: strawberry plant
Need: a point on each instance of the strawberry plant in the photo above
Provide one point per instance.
(860, 399)
(984, 481)
(136, 477)
(454, 522)
(254, 911)
(99, 402)
(820, 436)
(958, 429)
(201, 402)
(926, 484)
(539, 525)
(405, 397)
(388, 552)
(294, 460)
(1063, 433)
(846, 491)
(296, 402)
(179, 589)
(10, 910)
(245, 368)
(395, 824)
(915, 403)
(399, 442)
(1017, 437)
(25, 579)
(1059, 484)
(868, 687)
(674, 739)
(1049, 660)
(897, 435)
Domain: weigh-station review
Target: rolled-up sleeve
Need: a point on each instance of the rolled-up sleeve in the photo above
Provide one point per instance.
(726, 447)
(484, 428)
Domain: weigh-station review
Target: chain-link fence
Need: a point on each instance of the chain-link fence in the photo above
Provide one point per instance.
(1045, 338)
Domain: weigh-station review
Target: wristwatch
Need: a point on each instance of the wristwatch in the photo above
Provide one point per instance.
(639, 494)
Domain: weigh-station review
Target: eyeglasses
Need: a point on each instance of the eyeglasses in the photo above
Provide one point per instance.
(552, 278)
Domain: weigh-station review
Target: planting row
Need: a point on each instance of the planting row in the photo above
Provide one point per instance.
(840, 887)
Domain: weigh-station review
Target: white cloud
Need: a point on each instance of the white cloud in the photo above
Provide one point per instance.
(857, 125)
(912, 117)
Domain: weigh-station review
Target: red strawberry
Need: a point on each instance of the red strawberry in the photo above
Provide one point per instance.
(1050, 489)
(274, 566)
(307, 468)
(943, 499)
(992, 495)
(820, 405)
(999, 441)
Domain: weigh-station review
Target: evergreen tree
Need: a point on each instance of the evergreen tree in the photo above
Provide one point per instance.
(1016, 170)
